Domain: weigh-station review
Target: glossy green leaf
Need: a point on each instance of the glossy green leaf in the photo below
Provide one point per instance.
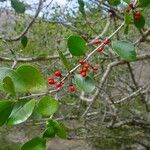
(144, 3)
(21, 112)
(35, 144)
(5, 110)
(17, 80)
(49, 132)
(114, 2)
(124, 49)
(85, 84)
(24, 41)
(64, 60)
(8, 85)
(47, 106)
(59, 128)
(33, 79)
(18, 6)
(140, 23)
(77, 45)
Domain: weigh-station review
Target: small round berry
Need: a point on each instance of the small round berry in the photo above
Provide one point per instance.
(106, 41)
(81, 62)
(86, 65)
(58, 74)
(71, 88)
(137, 13)
(81, 70)
(137, 18)
(97, 41)
(51, 81)
(83, 74)
(131, 5)
(95, 68)
(59, 84)
(85, 69)
(100, 49)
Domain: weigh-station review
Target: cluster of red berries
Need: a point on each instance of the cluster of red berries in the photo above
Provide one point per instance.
(85, 68)
(137, 15)
(59, 84)
(83, 71)
(105, 42)
(51, 81)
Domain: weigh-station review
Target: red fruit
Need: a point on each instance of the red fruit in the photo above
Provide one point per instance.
(131, 5)
(81, 70)
(95, 68)
(106, 41)
(137, 18)
(86, 65)
(71, 88)
(83, 74)
(100, 49)
(58, 74)
(137, 13)
(85, 69)
(81, 62)
(97, 41)
(59, 84)
(51, 81)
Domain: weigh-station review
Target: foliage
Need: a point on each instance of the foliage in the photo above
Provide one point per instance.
(70, 37)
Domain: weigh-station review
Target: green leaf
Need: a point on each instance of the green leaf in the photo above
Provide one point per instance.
(61, 132)
(114, 2)
(47, 106)
(140, 23)
(124, 49)
(18, 6)
(59, 128)
(21, 112)
(19, 84)
(81, 7)
(24, 41)
(77, 45)
(86, 84)
(8, 85)
(35, 144)
(5, 110)
(64, 60)
(49, 132)
(128, 19)
(33, 78)
(144, 3)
